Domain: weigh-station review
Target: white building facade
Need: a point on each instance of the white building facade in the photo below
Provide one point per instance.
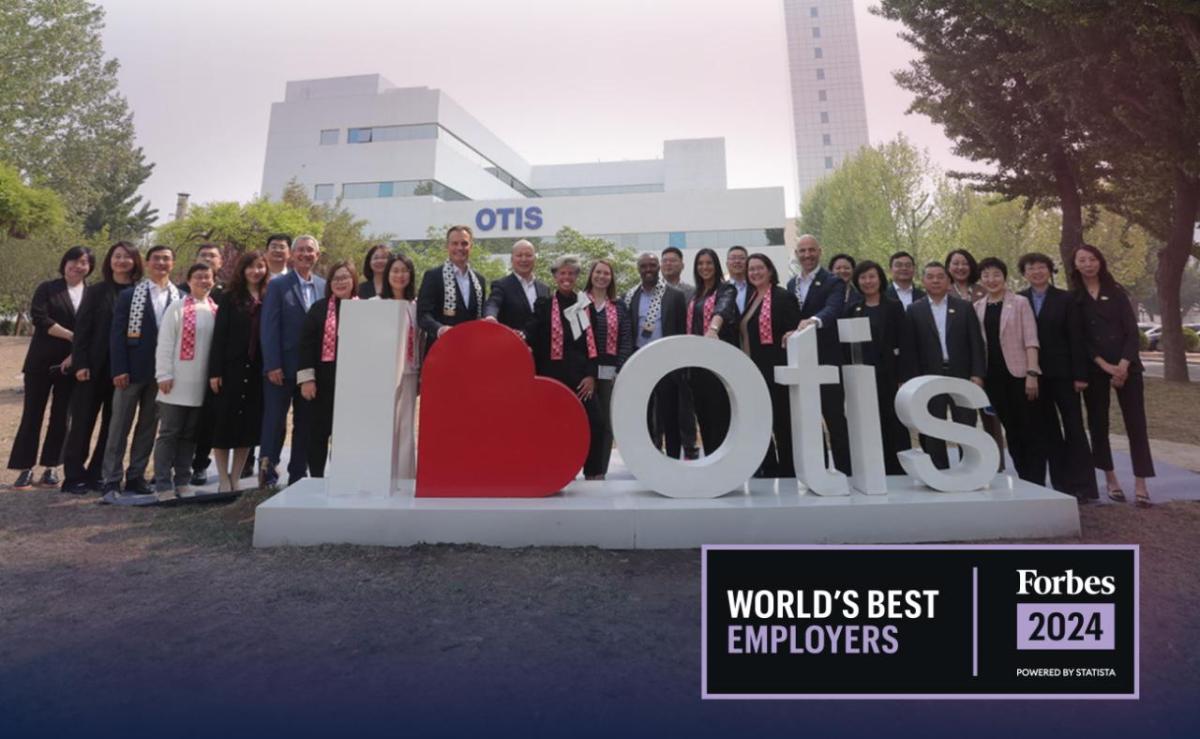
(829, 110)
(407, 159)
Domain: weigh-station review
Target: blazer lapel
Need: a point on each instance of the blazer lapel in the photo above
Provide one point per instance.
(295, 278)
(1006, 311)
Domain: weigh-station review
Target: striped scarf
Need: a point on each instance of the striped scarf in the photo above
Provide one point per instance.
(137, 306)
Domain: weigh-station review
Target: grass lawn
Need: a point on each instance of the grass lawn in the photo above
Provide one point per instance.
(1172, 411)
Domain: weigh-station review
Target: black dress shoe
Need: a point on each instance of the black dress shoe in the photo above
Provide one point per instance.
(110, 488)
(76, 487)
(199, 477)
(24, 480)
(49, 479)
(137, 486)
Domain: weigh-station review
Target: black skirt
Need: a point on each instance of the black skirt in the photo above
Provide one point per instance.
(238, 408)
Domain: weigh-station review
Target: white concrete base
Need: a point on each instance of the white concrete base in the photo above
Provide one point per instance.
(623, 514)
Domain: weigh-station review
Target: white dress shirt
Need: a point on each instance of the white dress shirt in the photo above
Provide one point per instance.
(741, 286)
(76, 295)
(939, 318)
(905, 294)
(530, 288)
(463, 278)
(307, 290)
(803, 283)
(159, 297)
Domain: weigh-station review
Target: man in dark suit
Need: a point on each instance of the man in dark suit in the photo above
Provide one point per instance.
(512, 299)
(132, 343)
(284, 308)
(1058, 412)
(657, 310)
(822, 295)
(452, 293)
(901, 286)
(948, 341)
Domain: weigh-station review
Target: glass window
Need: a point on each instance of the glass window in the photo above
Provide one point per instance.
(355, 190)
(329, 136)
(323, 192)
(814, 11)
(358, 136)
(824, 117)
(828, 162)
(818, 53)
(386, 189)
(822, 95)
(820, 74)
(404, 133)
(677, 239)
(826, 139)
(816, 32)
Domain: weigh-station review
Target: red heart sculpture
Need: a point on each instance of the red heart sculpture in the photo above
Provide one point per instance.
(489, 427)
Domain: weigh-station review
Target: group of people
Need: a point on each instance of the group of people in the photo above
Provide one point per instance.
(212, 369)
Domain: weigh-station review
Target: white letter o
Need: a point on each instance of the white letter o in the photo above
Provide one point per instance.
(718, 472)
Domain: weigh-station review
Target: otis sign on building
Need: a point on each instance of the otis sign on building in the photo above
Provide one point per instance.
(500, 449)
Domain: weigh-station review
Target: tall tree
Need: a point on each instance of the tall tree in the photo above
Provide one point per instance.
(64, 125)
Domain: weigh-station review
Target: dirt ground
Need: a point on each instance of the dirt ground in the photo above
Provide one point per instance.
(167, 622)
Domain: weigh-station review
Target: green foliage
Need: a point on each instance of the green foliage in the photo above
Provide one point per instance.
(65, 126)
(1143, 341)
(25, 210)
(1191, 340)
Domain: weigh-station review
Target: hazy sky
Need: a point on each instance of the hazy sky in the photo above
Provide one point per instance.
(558, 80)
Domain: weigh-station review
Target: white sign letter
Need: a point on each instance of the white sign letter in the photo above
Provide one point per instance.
(980, 457)
(805, 376)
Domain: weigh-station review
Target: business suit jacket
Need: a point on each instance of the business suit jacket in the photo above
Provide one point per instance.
(964, 340)
(430, 313)
(1109, 328)
(825, 301)
(1062, 353)
(890, 348)
(673, 313)
(133, 357)
(599, 323)
(93, 324)
(51, 304)
(508, 305)
(575, 364)
(282, 322)
(1018, 331)
(785, 314)
(724, 306)
(917, 292)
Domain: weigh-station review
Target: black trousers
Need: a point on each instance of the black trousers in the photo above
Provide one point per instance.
(600, 448)
(941, 406)
(39, 387)
(202, 457)
(833, 410)
(665, 414)
(1060, 441)
(895, 434)
(88, 400)
(1007, 396)
(711, 402)
(1131, 396)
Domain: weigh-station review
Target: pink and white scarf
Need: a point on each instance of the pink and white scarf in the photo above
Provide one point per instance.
(187, 342)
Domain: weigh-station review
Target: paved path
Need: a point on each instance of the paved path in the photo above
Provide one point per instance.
(1154, 368)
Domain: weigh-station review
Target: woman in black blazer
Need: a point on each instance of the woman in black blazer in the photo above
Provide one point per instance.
(47, 369)
(710, 312)
(235, 369)
(1110, 334)
(843, 266)
(612, 348)
(771, 312)
(318, 360)
(93, 392)
(888, 350)
(561, 355)
(374, 274)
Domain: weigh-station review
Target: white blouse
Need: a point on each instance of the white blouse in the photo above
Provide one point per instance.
(190, 376)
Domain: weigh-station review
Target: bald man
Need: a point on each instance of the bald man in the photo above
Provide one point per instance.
(512, 298)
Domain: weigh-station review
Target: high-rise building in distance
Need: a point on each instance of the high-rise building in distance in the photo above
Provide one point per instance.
(829, 110)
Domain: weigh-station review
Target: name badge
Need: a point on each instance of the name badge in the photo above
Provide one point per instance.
(606, 372)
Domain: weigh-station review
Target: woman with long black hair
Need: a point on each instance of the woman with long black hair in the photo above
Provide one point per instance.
(235, 369)
(1111, 336)
(93, 392)
(318, 360)
(710, 313)
(400, 284)
(47, 369)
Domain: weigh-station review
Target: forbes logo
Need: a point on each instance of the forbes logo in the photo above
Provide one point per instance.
(519, 218)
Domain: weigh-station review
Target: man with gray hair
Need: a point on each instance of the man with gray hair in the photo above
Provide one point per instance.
(513, 297)
(284, 308)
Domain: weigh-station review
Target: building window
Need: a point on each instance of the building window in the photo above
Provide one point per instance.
(400, 189)
(822, 96)
(828, 162)
(820, 74)
(814, 11)
(329, 136)
(818, 53)
(824, 117)
(826, 139)
(323, 192)
(816, 32)
(358, 136)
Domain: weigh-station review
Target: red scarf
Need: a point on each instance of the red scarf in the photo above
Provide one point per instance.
(329, 340)
(765, 336)
(187, 343)
(709, 302)
(556, 329)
